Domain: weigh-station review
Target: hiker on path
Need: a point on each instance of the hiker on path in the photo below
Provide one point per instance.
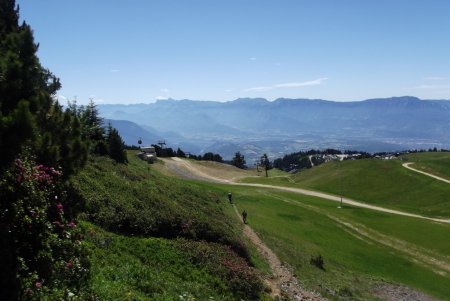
(230, 197)
(244, 216)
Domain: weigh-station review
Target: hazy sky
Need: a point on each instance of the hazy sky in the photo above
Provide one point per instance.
(138, 51)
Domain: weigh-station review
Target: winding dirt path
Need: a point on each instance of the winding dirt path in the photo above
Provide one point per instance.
(347, 201)
(188, 170)
(283, 282)
(407, 165)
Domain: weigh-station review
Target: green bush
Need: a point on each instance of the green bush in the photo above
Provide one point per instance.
(317, 261)
(159, 269)
(129, 200)
(41, 252)
(242, 279)
(345, 292)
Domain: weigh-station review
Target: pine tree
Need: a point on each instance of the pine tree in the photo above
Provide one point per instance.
(16, 120)
(9, 17)
(181, 153)
(93, 128)
(29, 115)
(36, 138)
(116, 146)
(238, 160)
(266, 163)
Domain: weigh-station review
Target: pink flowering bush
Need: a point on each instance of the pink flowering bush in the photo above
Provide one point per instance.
(42, 253)
(242, 279)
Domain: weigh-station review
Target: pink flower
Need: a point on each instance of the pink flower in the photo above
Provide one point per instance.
(71, 224)
(60, 207)
(55, 172)
(38, 284)
(19, 164)
(58, 223)
(69, 264)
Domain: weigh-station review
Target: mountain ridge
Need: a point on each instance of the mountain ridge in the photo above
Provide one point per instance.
(395, 123)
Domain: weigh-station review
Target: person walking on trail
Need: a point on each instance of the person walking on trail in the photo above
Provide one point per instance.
(230, 197)
(244, 216)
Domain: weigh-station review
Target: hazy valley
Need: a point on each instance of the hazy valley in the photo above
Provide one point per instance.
(256, 126)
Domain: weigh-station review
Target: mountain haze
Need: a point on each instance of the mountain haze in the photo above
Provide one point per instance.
(284, 125)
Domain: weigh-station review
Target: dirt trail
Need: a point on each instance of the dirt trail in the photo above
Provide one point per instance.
(283, 282)
(188, 170)
(388, 291)
(436, 262)
(407, 165)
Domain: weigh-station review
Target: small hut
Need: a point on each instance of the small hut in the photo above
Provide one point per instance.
(147, 153)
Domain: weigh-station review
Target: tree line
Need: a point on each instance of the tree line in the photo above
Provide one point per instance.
(307, 159)
(170, 152)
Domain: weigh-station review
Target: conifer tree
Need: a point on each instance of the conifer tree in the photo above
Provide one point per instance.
(40, 146)
(93, 129)
(238, 160)
(266, 163)
(181, 153)
(116, 146)
(29, 114)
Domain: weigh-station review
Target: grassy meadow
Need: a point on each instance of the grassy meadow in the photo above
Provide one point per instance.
(154, 237)
(437, 163)
(380, 182)
(361, 248)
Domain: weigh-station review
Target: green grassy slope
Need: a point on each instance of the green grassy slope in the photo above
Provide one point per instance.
(437, 163)
(136, 199)
(132, 268)
(297, 227)
(199, 252)
(379, 182)
(361, 248)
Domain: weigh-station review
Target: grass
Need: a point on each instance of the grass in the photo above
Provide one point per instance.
(299, 227)
(135, 199)
(361, 248)
(437, 163)
(380, 182)
(157, 237)
(132, 268)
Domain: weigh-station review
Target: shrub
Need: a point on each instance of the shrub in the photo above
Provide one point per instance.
(130, 201)
(317, 261)
(345, 292)
(242, 279)
(41, 252)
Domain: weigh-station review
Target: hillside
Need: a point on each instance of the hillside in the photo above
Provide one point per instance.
(199, 251)
(368, 254)
(83, 218)
(379, 182)
(138, 268)
(434, 163)
(131, 132)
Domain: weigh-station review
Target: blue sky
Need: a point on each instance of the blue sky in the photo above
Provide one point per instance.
(142, 50)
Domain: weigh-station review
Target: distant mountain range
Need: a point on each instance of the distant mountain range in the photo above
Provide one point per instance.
(255, 125)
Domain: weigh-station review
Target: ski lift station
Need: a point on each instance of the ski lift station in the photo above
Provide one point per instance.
(147, 153)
